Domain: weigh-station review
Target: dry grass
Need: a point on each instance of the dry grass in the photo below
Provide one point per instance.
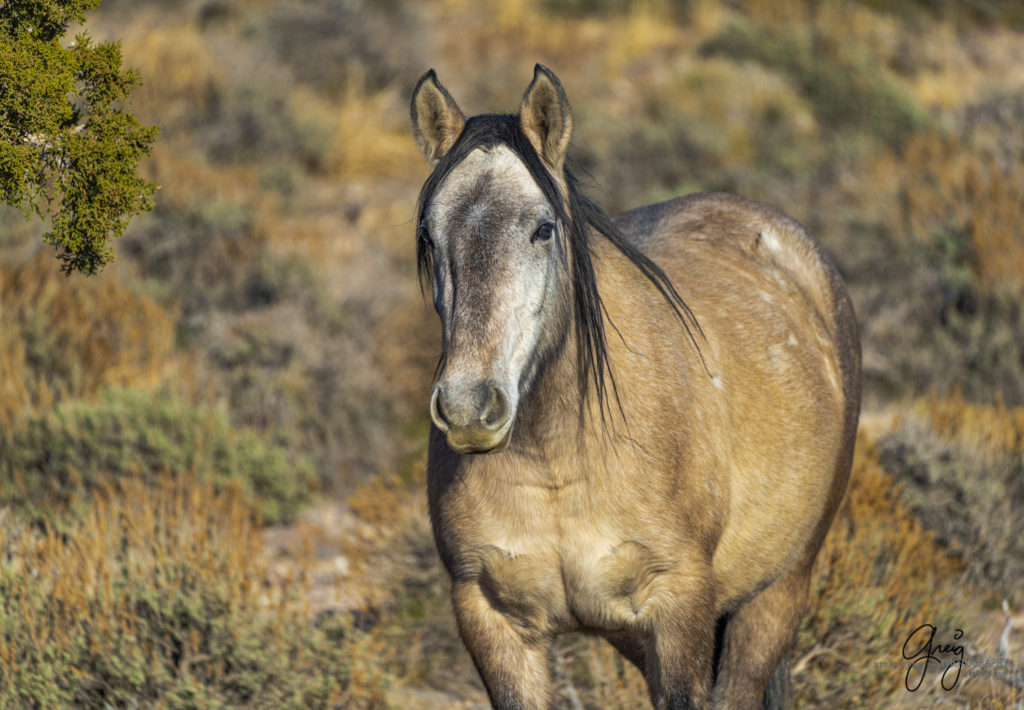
(962, 464)
(160, 598)
(994, 431)
(66, 338)
(371, 138)
(879, 575)
(182, 77)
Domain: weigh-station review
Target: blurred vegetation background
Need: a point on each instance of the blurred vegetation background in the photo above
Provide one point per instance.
(211, 454)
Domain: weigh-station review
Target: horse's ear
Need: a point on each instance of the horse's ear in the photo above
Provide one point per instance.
(436, 118)
(546, 118)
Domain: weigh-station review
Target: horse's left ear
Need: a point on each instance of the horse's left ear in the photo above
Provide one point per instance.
(437, 120)
(546, 118)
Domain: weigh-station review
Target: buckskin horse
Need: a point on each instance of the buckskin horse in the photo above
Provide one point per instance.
(642, 425)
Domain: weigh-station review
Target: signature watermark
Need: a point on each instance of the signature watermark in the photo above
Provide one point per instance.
(923, 654)
(921, 650)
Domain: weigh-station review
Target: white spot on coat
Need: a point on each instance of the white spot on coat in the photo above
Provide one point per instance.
(770, 240)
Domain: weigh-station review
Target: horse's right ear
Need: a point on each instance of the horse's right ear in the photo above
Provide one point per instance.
(436, 118)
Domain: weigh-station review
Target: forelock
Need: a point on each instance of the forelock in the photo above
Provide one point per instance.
(487, 132)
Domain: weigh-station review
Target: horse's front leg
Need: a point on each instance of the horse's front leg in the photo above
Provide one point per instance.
(757, 639)
(680, 643)
(511, 657)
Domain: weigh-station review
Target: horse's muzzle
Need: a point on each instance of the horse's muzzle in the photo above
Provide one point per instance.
(475, 416)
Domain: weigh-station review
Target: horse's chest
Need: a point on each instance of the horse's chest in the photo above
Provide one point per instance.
(551, 575)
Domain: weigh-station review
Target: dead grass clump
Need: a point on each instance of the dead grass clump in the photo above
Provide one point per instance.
(69, 337)
(948, 188)
(994, 431)
(371, 137)
(879, 575)
(159, 598)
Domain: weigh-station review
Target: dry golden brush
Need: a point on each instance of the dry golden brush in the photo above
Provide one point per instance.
(947, 186)
(994, 431)
(161, 595)
(70, 337)
(879, 574)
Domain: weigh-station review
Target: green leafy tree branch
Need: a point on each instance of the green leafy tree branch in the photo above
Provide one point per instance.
(69, 149)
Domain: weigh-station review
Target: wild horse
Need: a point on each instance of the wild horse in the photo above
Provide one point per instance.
(642, 425)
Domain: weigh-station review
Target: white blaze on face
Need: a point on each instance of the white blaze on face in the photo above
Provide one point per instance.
(497, 284)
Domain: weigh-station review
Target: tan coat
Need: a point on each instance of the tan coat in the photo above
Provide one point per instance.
(701, 498)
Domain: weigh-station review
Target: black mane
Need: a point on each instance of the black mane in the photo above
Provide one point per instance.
(578, 217)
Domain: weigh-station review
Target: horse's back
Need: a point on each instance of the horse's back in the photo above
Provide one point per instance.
(733, 229)
(725, 252)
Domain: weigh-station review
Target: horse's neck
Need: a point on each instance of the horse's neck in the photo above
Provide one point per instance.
(549, 414)
(555, 418)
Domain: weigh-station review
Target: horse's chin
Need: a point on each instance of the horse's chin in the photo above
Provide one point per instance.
(472, 443)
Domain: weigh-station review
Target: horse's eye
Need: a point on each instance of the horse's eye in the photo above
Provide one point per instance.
(424, 237)
(544, 232)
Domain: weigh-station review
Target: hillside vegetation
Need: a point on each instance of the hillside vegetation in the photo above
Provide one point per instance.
(212, 454)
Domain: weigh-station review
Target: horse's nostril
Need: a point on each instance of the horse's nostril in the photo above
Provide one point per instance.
(496, 413)
(437, 412)
(471, 410)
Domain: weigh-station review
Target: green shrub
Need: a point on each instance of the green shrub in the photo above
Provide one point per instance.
(47, 462)
(69, 149)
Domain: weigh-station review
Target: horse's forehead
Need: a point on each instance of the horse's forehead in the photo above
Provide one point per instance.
(482, 176)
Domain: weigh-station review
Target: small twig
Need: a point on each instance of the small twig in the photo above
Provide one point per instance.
(1004, 640)
(819, 650)
(40, 141)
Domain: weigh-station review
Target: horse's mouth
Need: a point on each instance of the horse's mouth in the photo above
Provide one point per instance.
(462, 442)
